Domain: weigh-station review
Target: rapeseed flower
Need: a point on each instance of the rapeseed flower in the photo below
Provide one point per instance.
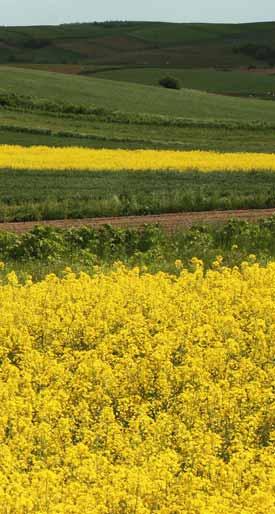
(73, 158)
(126, 392)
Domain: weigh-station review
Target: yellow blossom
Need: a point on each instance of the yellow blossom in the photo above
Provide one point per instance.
(127, 392)
(73, 158)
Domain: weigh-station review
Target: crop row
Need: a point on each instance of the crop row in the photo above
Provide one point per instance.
(53, 108)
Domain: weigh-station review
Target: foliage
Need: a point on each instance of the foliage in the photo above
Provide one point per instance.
(45, 249)
(170, 82)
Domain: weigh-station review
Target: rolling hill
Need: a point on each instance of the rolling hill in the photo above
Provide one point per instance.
(134, 98)
(132, 43)
(230, 82)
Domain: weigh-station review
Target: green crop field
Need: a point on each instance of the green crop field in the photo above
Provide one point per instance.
(133, 98)
(47, 128)
(31, 195)
(125, 108)
(234, 82)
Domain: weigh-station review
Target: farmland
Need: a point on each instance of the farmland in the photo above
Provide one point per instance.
(127, 43)
(240, 82)
(137, 359)
(80, 183)
(186, 103)
(104, 405)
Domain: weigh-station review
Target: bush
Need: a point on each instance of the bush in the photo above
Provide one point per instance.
(36, 44)
(170, 83)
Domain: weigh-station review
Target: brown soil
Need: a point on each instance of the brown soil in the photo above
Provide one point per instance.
(169, 222)
(262, 71)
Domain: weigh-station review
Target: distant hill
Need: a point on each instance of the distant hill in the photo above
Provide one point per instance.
(140, 43)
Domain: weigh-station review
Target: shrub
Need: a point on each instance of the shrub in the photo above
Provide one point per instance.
(170, 83)
(35, 44)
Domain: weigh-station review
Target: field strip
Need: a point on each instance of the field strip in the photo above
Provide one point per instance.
(169, 222)
(86, 159)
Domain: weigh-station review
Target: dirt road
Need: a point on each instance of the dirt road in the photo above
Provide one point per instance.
(169, 222)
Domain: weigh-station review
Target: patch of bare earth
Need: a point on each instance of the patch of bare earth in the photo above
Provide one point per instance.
(170, 222)
(261, 71)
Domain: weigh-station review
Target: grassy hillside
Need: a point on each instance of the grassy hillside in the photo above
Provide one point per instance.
(133, 43)
(133, 98)
(234, 82)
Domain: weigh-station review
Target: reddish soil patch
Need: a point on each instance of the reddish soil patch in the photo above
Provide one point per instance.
(102, 46)
(261, 71)
(169, 222)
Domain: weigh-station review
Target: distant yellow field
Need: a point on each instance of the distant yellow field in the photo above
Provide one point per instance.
(49, 158)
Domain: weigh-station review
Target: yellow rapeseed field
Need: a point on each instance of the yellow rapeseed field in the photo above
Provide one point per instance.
(72, 158)
(131, 393)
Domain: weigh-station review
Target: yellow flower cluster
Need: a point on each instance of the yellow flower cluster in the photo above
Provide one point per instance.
(131, 393)
(72, 158)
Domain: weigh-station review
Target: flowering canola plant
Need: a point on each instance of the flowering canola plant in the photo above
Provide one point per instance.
(126, 392)
(72, 158)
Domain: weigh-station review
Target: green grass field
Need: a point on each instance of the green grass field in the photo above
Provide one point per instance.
(195, 120)
(28, 128)
(135, 98)
(210, 80)
(30, 195)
